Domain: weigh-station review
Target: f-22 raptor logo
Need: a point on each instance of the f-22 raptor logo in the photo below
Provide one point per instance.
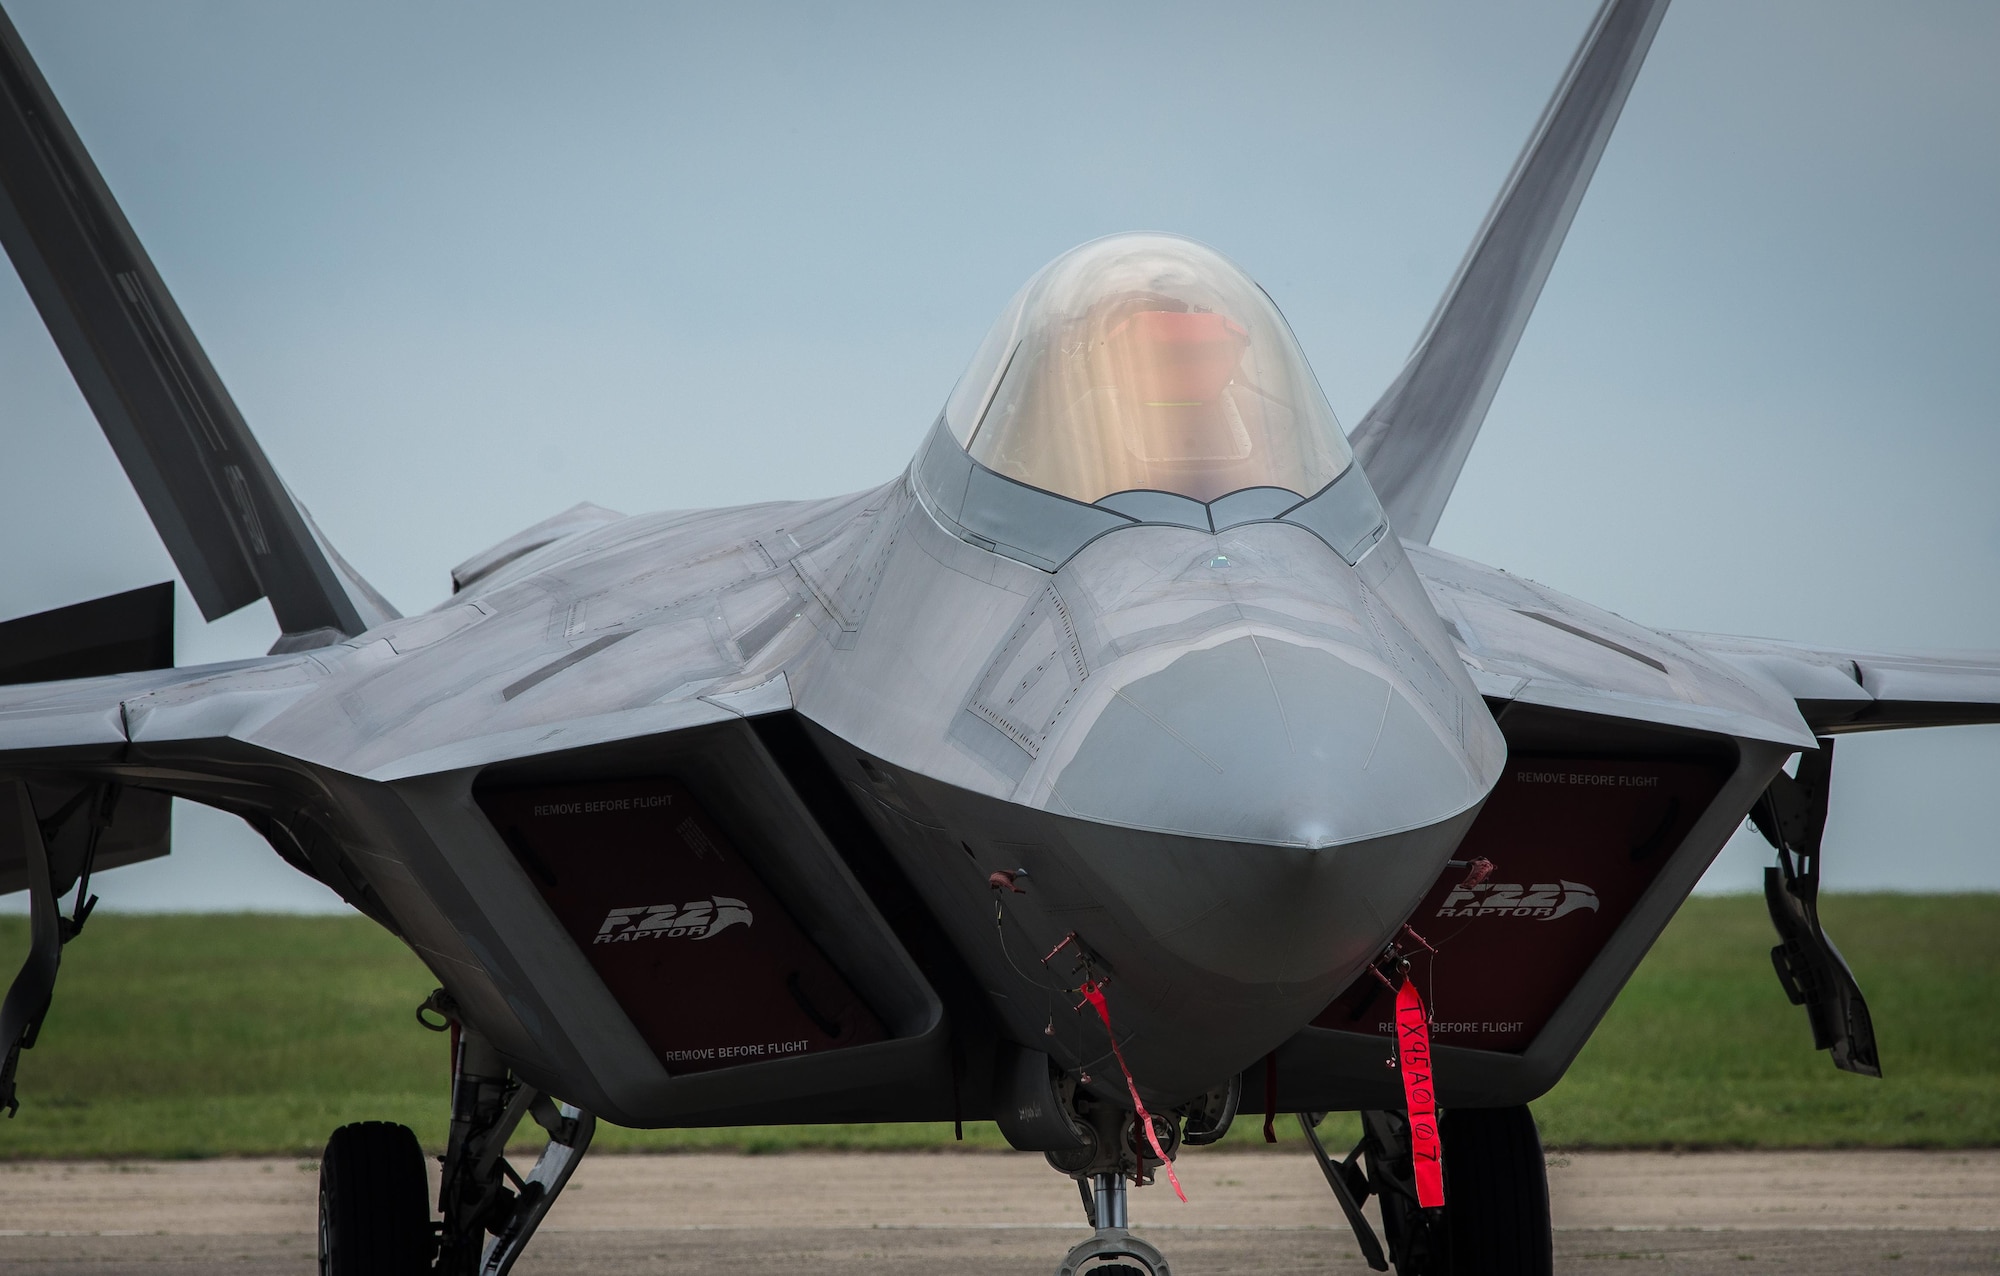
(1544, 901)
(703, 919)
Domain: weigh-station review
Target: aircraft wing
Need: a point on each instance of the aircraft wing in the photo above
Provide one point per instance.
(74, 730)
(1840, 690)
(1527, 644)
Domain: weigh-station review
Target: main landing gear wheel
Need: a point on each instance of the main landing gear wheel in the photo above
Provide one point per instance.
(1496, 1192)
(1495, 1219)
(374, 1203)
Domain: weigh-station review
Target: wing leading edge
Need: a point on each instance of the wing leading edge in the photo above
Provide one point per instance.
(1840, 691)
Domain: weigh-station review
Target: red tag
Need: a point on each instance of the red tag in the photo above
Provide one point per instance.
(1413, 1059)
(1094, 994)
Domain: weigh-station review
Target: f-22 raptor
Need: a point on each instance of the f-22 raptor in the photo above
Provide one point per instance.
(1128, 763)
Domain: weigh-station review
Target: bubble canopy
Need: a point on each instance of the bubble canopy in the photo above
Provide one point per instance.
(1146, 362)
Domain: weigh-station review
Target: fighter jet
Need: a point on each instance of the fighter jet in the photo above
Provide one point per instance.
(1129, 764)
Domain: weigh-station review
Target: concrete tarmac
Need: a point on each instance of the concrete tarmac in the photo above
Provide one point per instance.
(989, 1212)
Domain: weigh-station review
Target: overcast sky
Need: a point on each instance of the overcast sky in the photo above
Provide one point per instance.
(464, 265)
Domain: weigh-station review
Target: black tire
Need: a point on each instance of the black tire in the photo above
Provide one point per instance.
(1496, 1192)
(374, 1203)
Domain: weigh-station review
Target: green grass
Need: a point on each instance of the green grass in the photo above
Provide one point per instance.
(203, 1035)
(1702, 1050)
(223, 1035)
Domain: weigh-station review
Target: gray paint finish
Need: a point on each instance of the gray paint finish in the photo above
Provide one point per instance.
(1232, 760)
(1263, 740)
(1140, 693)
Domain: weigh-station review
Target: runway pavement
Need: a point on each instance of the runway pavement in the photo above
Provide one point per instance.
(975, 1213)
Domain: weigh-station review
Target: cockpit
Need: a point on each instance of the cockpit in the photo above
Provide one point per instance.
(1146, 362)
(1139, 379)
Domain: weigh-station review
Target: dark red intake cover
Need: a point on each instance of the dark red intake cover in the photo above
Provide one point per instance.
(711, 969)
(1574, 843)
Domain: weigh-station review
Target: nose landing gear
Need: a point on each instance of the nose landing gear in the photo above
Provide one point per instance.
(1104, 1199)
(1115, 1154)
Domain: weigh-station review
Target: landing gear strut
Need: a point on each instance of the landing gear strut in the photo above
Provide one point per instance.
(1495, 1220)
(374, 1218)
(1105, 1195)
(489, 1209)
(1115, 1152)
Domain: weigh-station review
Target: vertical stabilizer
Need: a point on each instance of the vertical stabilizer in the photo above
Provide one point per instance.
(1414, 441)
(234, 532)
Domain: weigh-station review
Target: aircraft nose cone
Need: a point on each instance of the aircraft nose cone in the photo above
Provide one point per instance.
(1262, 740)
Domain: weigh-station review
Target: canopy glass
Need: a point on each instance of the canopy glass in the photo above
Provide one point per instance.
(1146, 362)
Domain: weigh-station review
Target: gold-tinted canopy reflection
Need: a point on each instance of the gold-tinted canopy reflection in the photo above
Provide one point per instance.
(1146, 361)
